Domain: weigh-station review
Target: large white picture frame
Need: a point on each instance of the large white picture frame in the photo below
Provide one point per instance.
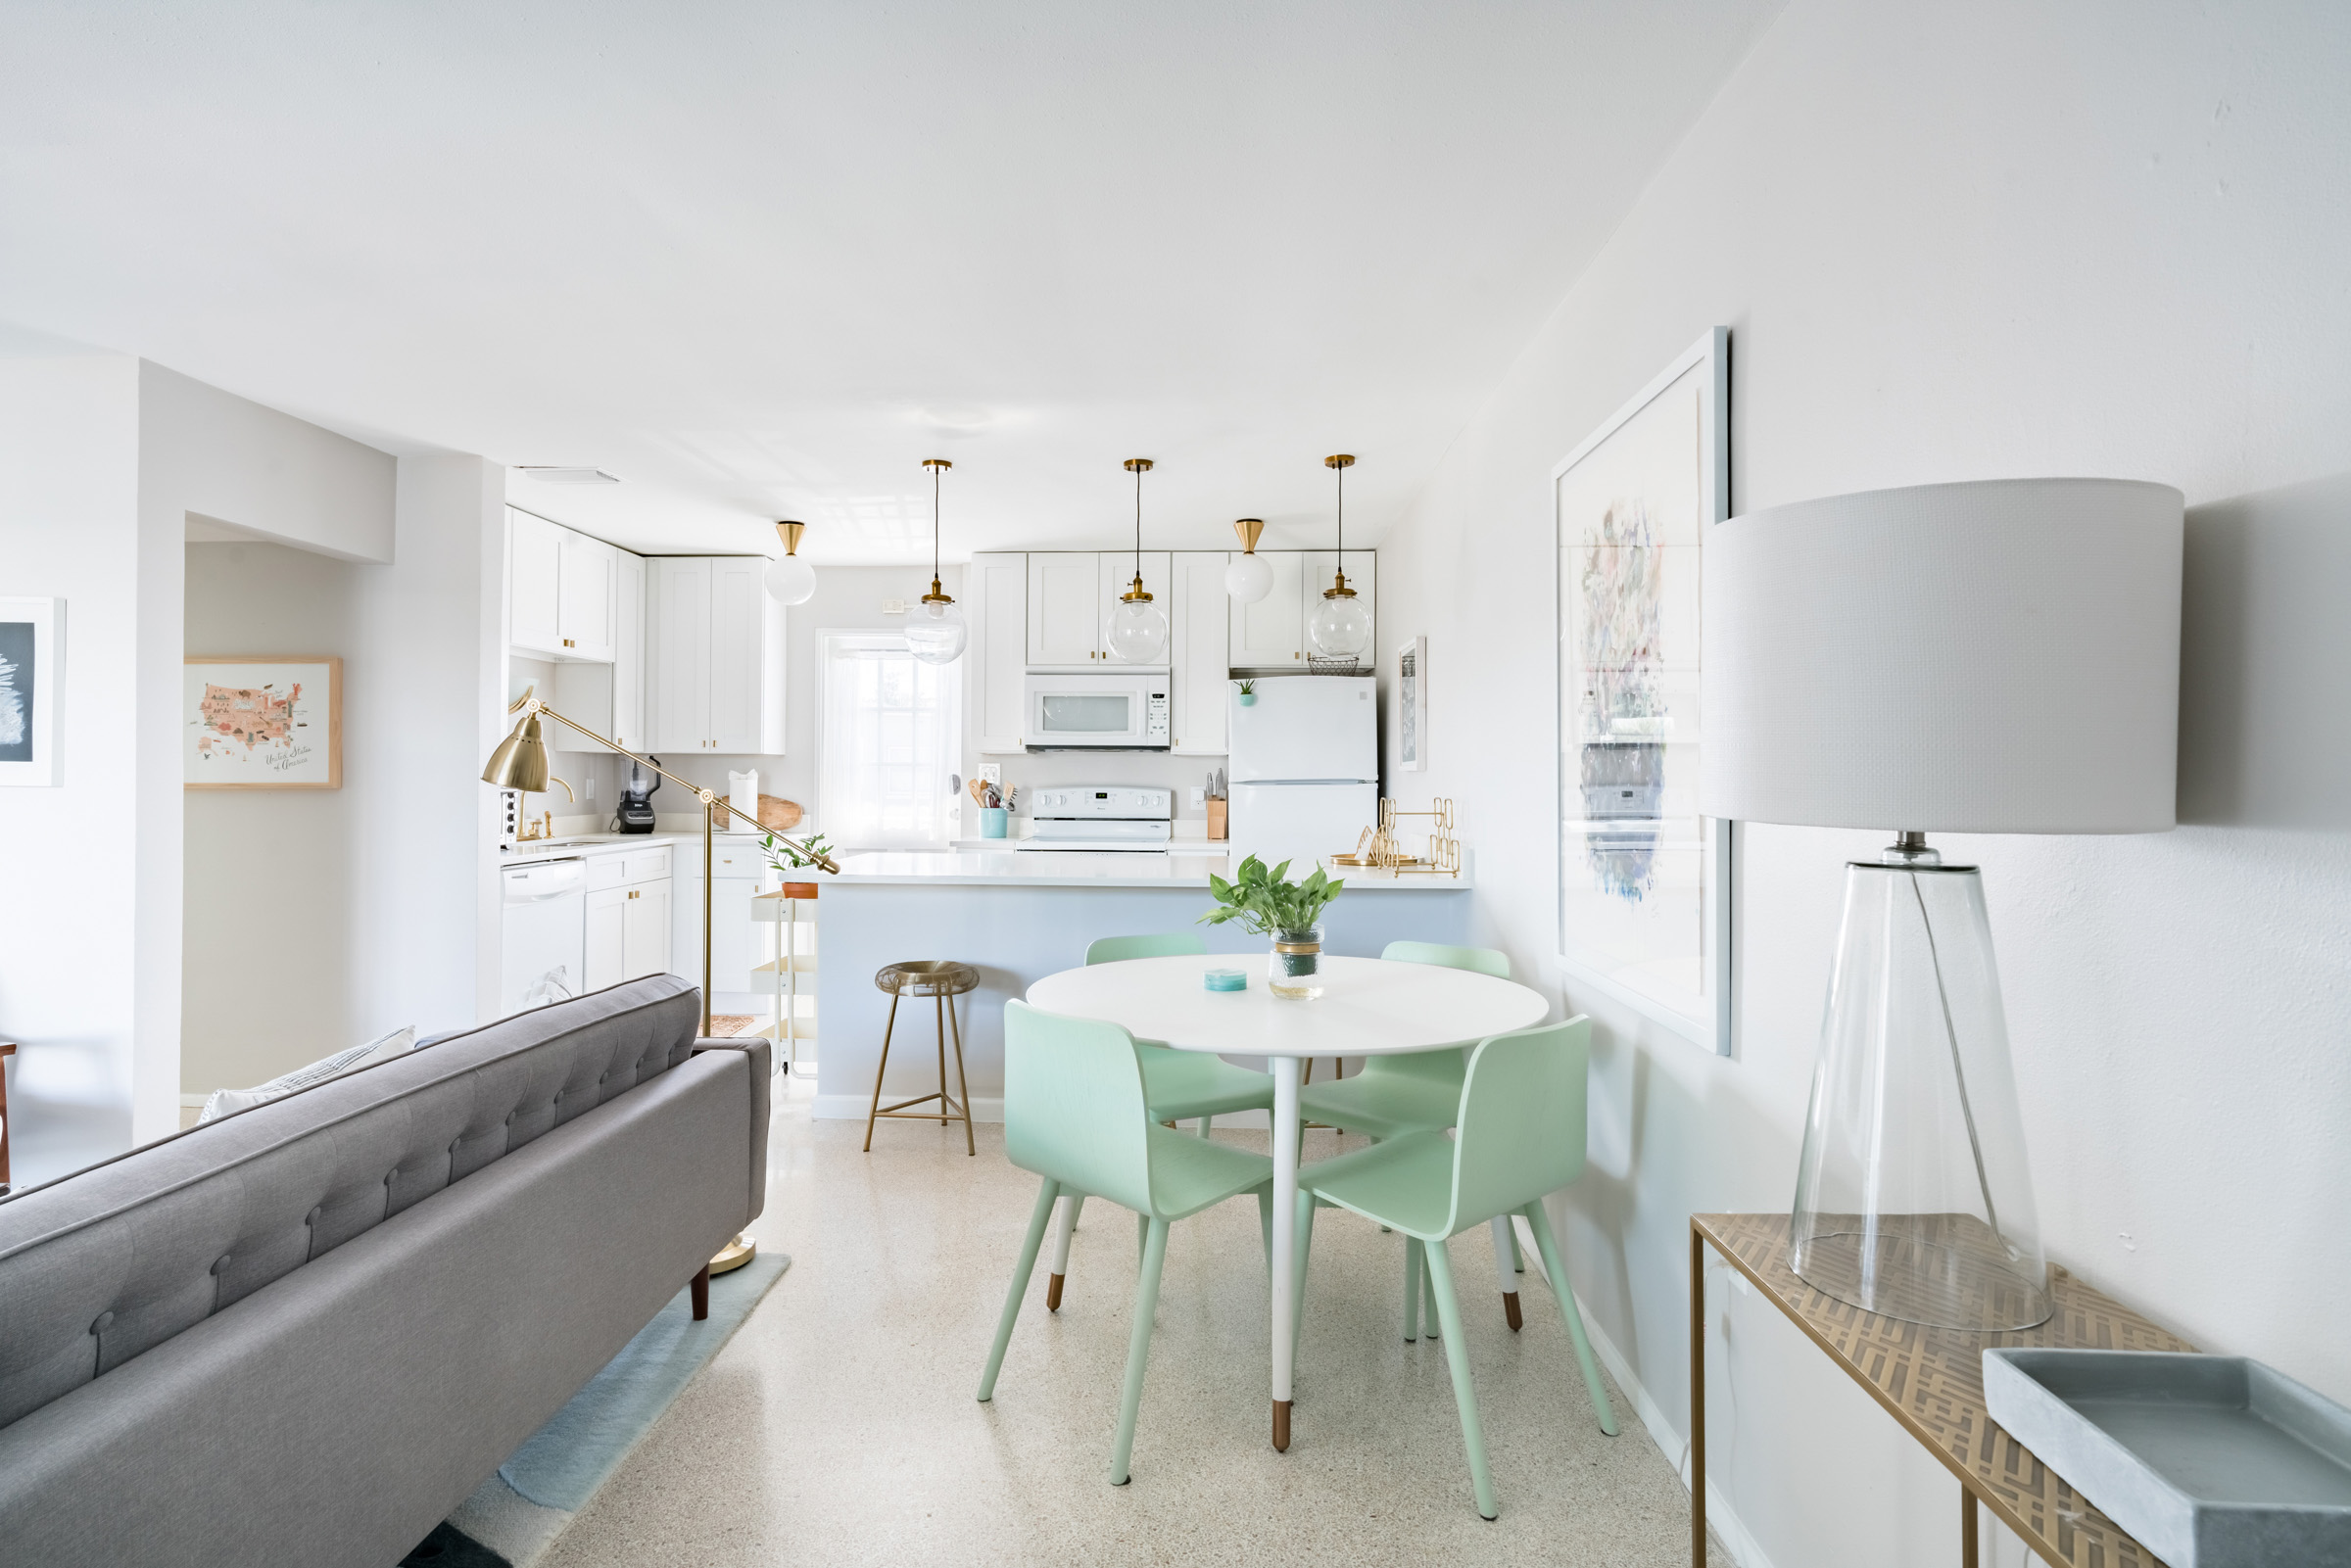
(1643, 881)
(32, 666)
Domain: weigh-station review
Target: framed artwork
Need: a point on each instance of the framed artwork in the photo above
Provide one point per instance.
(263, 720)
(33, 648)
(1644, 882)
(1412, 705)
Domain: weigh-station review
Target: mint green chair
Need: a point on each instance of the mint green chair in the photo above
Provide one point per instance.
(1179, 1084)
(1521, 1122)
(1421, 1092)
(1075, 1114)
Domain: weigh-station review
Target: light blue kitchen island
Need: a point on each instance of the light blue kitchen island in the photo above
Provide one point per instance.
(1020, 916)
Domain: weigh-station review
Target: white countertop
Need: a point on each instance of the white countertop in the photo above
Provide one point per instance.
(1010, 868)
(606, 844)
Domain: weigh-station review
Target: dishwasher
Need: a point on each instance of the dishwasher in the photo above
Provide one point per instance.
(542, 950)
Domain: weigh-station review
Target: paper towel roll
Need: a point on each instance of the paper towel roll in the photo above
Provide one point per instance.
(742, 793)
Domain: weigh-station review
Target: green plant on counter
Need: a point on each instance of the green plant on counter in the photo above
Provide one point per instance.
(783, 856)
(1267, 901)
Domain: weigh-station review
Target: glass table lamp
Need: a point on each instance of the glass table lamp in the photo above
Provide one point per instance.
(1998, 657)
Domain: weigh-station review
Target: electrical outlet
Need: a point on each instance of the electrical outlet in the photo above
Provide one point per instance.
(591, 787)
(991, 773)
(894, 607)
(1199, 797)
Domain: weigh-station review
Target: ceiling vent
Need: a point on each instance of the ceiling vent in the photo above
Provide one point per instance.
(572, 476)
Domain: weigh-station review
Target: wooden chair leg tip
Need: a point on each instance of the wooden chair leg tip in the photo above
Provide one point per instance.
(1510, 1310)
(1053, 1294)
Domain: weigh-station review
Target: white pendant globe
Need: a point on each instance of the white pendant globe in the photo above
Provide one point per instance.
(936, 632)
(1249, 579)
(1340, 628)
(791, 580)
(1137, 631)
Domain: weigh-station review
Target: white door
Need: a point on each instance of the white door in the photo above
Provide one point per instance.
(1306, 727)
(628, 651)
(736, 648)
(1300, 823)
(1271, 633)
(585, 596)
(606, 959)
(997, 586)
(680, 646)
(1197, 653)
(645, 930)
(1065, 595)
(534, 574)
(1115, 575)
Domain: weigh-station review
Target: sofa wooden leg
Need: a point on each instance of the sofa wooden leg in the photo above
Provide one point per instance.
(702, 1294)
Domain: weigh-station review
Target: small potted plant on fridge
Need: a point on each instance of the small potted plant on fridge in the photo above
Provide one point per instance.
(1269, 903)
(1248, 693)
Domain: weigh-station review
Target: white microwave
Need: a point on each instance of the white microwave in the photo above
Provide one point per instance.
(1117, 710)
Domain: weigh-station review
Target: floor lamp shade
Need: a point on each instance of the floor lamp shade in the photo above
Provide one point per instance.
(1994, 657)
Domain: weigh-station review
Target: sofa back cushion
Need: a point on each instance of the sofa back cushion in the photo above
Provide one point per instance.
(104, 1265)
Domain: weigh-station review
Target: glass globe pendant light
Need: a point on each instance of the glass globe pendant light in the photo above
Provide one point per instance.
(1340, 629)
(791, 580)
(1248, 579)
(936, 633)
(1137, 628)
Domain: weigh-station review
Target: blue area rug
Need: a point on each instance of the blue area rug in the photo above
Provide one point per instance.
(516, 1514)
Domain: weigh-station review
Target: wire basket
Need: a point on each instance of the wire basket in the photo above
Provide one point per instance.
(1333, 664)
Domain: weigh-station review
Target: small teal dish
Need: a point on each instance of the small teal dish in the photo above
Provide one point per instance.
(1226, 980)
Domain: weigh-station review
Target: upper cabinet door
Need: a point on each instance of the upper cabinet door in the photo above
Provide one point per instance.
(678, 642)
(1197, 650)
(533, 577)
(737, 645)
(996, 588)
(1065, 608)
(1116, 575)
(628, 652)
(1321, 566)
(586, 596)
(1271, 633)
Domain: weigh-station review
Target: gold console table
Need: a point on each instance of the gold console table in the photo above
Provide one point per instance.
(1932, 1381)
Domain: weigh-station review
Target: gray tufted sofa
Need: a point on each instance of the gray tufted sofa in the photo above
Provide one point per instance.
(303, 1334)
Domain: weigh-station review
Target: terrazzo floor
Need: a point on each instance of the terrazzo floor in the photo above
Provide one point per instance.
(839, 1426)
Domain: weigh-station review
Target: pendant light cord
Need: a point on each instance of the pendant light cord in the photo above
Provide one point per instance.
(933, 530)
(1341, 471)
(1138, 525)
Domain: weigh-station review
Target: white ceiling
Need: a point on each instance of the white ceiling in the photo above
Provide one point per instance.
(759, 259)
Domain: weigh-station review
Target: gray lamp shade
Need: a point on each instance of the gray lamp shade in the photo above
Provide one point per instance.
(2000, 656)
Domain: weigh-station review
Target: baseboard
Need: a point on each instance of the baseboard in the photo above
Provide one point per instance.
(1721, 1518)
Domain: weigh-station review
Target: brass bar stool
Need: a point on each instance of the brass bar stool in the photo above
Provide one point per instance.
(941, 981)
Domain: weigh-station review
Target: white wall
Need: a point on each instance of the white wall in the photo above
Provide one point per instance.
(1955, 243)
(68, 946)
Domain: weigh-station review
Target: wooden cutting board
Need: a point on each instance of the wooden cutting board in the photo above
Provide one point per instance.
(779, 815)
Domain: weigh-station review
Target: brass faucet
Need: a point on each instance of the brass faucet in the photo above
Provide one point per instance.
(545, 826)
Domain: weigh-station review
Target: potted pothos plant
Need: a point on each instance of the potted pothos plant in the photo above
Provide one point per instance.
(1269, 903)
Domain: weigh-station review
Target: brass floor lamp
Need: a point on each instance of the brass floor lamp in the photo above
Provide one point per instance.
(520, 763)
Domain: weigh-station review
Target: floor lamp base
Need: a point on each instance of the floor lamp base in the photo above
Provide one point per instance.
(734, 1254)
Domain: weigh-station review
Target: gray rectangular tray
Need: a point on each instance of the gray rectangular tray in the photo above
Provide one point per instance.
(2211, 1461)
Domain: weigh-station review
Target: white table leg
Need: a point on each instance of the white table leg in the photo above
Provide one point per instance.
(1285, 1238)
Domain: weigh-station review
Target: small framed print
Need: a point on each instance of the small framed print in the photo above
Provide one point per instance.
(33, 648)
(263, 720)
(1412, 705)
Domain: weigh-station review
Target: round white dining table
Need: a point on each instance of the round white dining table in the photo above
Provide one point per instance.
(1369, 1006)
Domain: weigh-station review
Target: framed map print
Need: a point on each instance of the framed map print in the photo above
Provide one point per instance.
(1645, 912)
(33, 645)
(255, 720)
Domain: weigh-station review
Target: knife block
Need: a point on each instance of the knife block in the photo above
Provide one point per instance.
(1216, 818)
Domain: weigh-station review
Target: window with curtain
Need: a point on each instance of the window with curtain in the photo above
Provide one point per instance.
(893, 736)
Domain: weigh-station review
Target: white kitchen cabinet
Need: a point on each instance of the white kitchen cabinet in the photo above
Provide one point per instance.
(644, 930)
(608, 699)
(1065, 623)
(534, 577)
(607, 937)
(741, 870)
(1271, 633)
(995, 591)
(715, 661)
(587, 582)
(1114, 575)
(1361, 569)
(1196, 650)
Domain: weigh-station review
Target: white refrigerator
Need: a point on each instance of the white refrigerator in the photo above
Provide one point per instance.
(1305, 768)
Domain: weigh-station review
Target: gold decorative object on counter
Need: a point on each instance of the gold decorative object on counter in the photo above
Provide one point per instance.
(1380, 849)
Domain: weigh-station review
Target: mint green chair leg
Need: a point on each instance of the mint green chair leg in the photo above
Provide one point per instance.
(1265, 1225)
(1139, 1345)
(1036, 1239)
(1142, 1235)
(1429, 1284)
(1457, 1357)
(1412, 1290)
(1204, 1121)
(1550, 1246)
(1518, 1259)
